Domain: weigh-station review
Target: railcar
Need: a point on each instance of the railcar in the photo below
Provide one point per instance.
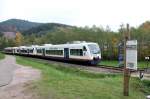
(11, 50)
(76, 51)
(8, 50)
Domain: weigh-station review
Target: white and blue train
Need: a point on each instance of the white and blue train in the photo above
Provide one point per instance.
(75, 51)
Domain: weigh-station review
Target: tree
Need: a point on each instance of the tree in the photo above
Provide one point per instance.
(18, 39)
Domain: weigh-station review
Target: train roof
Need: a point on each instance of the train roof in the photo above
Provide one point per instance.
(74, 43)
(71, 44)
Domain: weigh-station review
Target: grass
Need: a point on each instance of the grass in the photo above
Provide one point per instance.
(141, 64)
(109, 63)
(2, 56)
(59, 82)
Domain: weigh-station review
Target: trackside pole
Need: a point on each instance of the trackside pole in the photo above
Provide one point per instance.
(126, 70)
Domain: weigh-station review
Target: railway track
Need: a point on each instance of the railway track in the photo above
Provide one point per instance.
(121, 68)
(111, 67)
(95, 68)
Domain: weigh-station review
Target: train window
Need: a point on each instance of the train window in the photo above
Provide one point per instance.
(76, 52)
(54, 52)
(39, 50)
(17, 50)
(94, 49)
(8, 51)
(23, 51)
(31, 51)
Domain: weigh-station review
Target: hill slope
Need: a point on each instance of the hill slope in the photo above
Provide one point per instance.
(48, 27)
(13, 25)
(10, 27)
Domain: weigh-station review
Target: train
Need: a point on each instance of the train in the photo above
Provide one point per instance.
(81, 51)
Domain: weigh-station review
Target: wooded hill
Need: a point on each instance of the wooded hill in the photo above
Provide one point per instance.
(45, 28)
(14, 25)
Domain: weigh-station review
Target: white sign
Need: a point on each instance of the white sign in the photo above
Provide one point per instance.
(131, 54)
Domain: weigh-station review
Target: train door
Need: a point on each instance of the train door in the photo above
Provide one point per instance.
(43, 50)
(66, 53)
(28, 51)
(13, 51)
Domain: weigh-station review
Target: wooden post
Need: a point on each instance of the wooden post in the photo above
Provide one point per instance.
(126, 70)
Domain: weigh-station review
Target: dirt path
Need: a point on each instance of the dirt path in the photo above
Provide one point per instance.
(21, 77)
(7, 66)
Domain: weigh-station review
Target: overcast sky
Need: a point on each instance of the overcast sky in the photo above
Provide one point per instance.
(78, 12)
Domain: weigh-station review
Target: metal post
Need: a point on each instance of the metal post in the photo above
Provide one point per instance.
(126, 70)
(147, 62)
(147, 59)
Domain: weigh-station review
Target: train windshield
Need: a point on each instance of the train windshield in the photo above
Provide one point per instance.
(94, 49)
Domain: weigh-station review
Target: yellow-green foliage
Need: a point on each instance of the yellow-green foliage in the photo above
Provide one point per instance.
(2, 56)
(18, 39)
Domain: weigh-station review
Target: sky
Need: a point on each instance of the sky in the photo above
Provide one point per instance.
(78, 12)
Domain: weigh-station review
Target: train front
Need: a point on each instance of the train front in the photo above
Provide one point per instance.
(95, 53)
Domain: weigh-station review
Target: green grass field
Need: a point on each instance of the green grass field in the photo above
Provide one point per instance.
(60, 82)
(2, 56)
(141, 64)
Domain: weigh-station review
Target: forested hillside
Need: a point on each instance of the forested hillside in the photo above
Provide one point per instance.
(45, 28)
(14, 25)
(59, 33)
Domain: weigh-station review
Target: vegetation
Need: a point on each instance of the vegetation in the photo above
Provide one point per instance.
(59, 82)
(18, 39)
(141, 64)
(2, 56)
(48, 27)
(15, 25)
(6, 42)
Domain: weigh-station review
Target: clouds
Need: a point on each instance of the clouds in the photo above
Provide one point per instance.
(78, 12)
